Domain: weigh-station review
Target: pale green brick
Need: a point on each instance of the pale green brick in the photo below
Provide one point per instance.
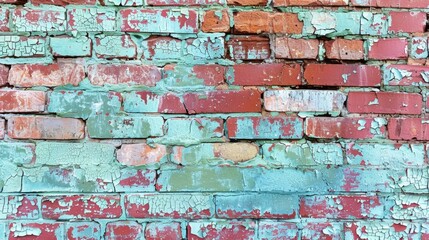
(18, 153)
(70, 46)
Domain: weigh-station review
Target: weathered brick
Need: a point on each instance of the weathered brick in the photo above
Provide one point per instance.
(277, 230)
(266, 22)
(388, 48)
(374, 24)
(102, 74)
(91, 19)
(122, 2)
(19, 207)
(27, 20)
(64, 2)
(408, 128)
(2, 128)
(111, 126)
(57, 74)
(22, 101)
(330, 23)
(291, 48)
(390, 3)
(221, 230)
(83, 230)
(31, 230)
(247, 2)
(280, 3)
(37, 127)
(223, 101)
(4, 20)
(115, 47)
(189, 206)
(162, 48)
(158, 21)
(136, 180)
(123, 230)
(344, 49)
(419, 47)
(20, 46)
(83, 104)
(407, 206)
(256, 206)
(287, 23)
(141, 154)
(65, 46)
(145, 101)
(407, 21)
(81, 207)
(4, 74)
(203, 48)
(183, 76)
(248, 47)
(18, 153)
(171, 230)
(350, 127)
(322, 230)
(342, 75)
(264, 74)
(382, 230)
(215, 21)
(406, 75)
(264, 127)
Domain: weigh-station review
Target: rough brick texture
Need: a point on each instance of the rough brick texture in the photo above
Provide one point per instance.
(214, 119)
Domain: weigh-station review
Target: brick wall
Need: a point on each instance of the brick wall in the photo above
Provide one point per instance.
(206, 119)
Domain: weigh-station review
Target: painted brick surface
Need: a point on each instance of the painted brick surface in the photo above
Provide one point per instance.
(214, 119)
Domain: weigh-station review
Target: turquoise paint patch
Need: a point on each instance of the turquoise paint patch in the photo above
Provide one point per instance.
(17, 153)
(72, 47)
(133, 103)
(248, 129)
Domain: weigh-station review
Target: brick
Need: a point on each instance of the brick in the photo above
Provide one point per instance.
(384, 102)
(20, 46)
(266, 22)
(64, 46)
(281, 3)
(286, 23)
(419, 47)
(256, 206)
(264, 127)
(221, 230)
(374, 24)
(223, 101)
(123, 230)
(4, 20)
(406, 75)
(57, 74)
(64, 2)
(248, 47)
(146, 101)
(388, 49)
(215, 21)
(411, 22)
(390, 3)
(83, 230)
(210, 153)
(13, 1)
(344, 49)
(162, 48)
(188, 206)
(407, 206)
(103, 74)
(322, 230)
(184, 2)
(187, 131)
(291, 48)
(4, 74)
(115, 47)
(158, 21)
(111, 126)
(19, 207)
(167, 230)
(203, 48)
(20, 127)
(341, 207)
(83, 104)
(27, 20)
(141, 154)
(91, 19)
(17, 153)
(136, 180)
(31, 230)
(342, 75)
(122, 2)
(351, 127)
(264, 74)
(81, 207)
(2, 128)
(247, 2)
(193, 76)
(330, 23)
(277, 230)
(304, 101)
(408, 129)
(379, 229)
(22, 101)
(386, 155)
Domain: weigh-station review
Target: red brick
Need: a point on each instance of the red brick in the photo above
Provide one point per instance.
(211, 74)
(83, 230)
(384, 102)
(391, 3)
(184, 2)
(406, 75)
(212, 22)
(37, 127)
(408, 128)
(322, 230)
(221, 230)
(296, 48)
(21, 207)
(141, 154)
(249, 47)
(351, 128)
(266, 22)
(81, 207)
(344, 49)
(2, 128)
(101, 74)
(280, 3)
(13, 1)
(22, 101)
(39, 230)
(26, 19)
(409, 22)
(264, 127)
(349, 75)
(223, 101)
(341, 207)
(158, 230)
(146, 101)
(247, 2)
(4, 73)
(286, 23)
(278, 230)
(4, 20)
(64, 2)
(123, 230)
(56, 74)
(388, 49)
(274, 74)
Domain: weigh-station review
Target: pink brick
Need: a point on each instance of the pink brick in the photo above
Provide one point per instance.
(156, 230)
(101, 74)
(249, 47)
(342, 75)
(4, 74)
(265, 74)
(27, 20)
(409, 22)
(141, 154)
(408, 128)
(292, 48)
(22, 101)
(388, 49)
(4, 20)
